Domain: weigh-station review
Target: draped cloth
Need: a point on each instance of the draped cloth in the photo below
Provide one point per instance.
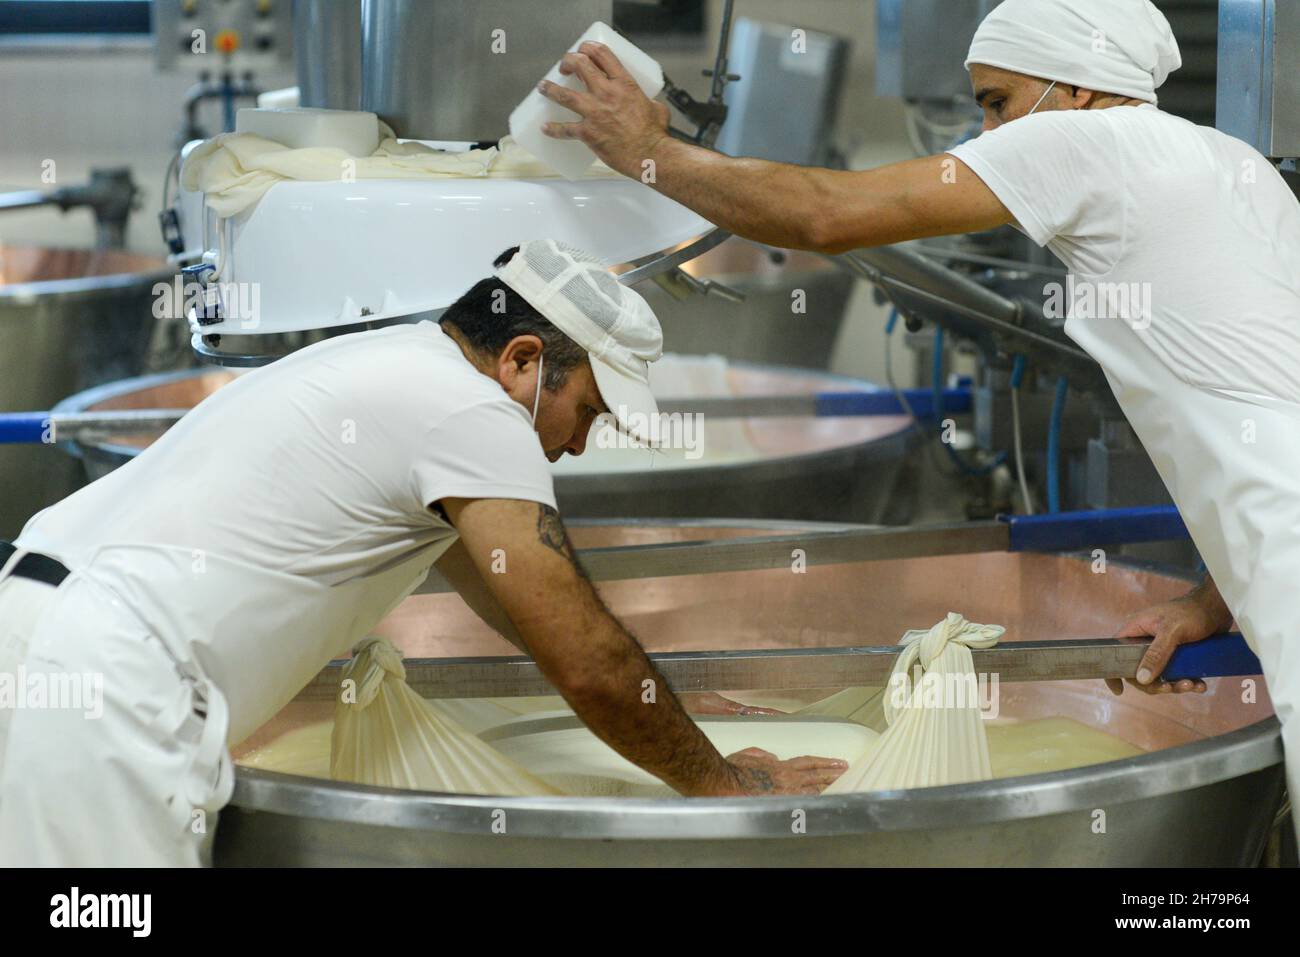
(235, 170)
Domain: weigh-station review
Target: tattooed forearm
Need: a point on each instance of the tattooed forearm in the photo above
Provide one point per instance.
(551, 533)
(551, 530)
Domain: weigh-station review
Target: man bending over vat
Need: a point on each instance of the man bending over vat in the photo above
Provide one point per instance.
(208, 580)
(1077, 155)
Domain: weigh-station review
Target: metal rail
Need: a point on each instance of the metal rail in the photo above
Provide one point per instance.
(821, 668)
(1064, 531)
(46, 427)
(767, 552)
(50, 427)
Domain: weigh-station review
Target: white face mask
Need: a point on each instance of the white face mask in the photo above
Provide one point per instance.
(1041, 98)
(537, 398)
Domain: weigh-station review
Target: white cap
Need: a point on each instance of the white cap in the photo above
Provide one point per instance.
(1111, 46)
(581, 298)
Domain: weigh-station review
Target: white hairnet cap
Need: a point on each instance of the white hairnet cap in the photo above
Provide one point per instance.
(619, 330)
(1111, 46)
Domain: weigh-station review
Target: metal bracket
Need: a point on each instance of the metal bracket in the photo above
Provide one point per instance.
(672, 260)
(1067, 531)
(211, 354)
(681, 285)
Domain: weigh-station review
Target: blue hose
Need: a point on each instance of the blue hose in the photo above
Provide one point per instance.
(1018, 371)
(1054, 448)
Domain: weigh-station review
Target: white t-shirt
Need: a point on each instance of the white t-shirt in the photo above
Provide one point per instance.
(1210, 381)
(1180, 218)
(275, 524)
(322, 464)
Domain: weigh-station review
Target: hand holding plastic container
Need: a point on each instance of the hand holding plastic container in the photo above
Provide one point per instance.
(572, 158)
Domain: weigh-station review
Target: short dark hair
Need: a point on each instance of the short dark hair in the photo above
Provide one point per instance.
(491, 314)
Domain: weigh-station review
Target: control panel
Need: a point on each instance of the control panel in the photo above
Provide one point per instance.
(209, 35)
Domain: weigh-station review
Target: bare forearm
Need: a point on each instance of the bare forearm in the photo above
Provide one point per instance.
(655, 733)
(582, 650)
(772, 203)
(622, 697)
(824, 210)
(779, 204)
(610, 682)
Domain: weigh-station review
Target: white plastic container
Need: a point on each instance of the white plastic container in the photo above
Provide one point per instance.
(571, 158)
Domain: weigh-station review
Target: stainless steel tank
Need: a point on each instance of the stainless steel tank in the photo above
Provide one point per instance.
(764, 327)
(811, 469)
(69, 319)
(1205, 794)
(447, 70)
(327, 53)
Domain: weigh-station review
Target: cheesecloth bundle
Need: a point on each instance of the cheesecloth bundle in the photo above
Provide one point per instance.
(935, 734)
(385, 734)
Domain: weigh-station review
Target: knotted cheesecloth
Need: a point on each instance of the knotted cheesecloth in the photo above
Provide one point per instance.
(385, 734)
(934, 733)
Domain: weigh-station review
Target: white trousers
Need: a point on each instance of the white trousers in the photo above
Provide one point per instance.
(123, 776)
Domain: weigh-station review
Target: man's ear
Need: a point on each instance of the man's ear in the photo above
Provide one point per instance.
(518, 353)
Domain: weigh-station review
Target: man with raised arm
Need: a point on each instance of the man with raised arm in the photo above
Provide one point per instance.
(1077, 154)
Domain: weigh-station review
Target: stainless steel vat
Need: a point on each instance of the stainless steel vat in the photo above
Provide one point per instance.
(327, 53)
(444, 70)
(764, 327)
(846, 469)
(69, 319)
(1205, 794)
